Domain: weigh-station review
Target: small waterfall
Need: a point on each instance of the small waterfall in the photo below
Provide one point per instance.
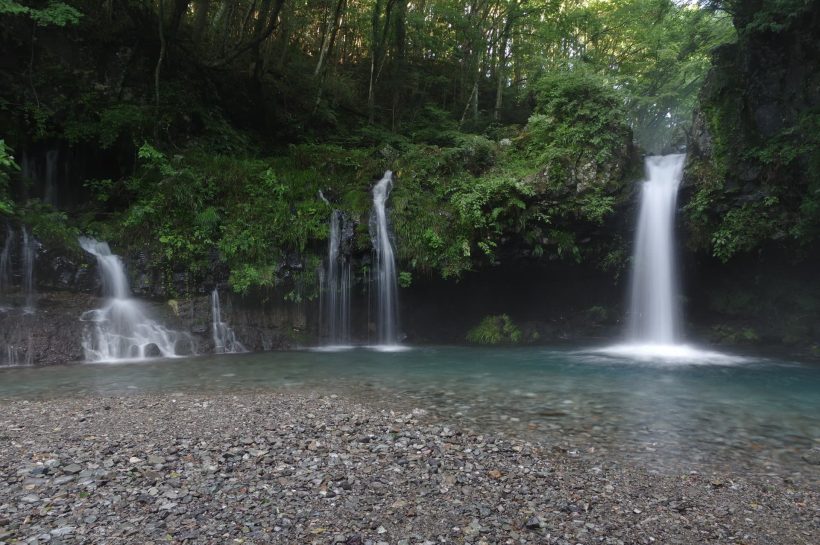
(335, 293)
(225, 341)
(5, 261)
(654, 312)
(121, 330)
(29, 256)
(50, 195)
(387, 303)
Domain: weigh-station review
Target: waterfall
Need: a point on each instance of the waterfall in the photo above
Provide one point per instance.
(654, 311)
(29, 256)
(225, 341)
(50, 195)
(335, 293)
(654, 328)
(121, 330)
(386, 284)
(5, 261)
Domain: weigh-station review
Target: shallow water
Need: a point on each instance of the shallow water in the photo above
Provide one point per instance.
(751, 414)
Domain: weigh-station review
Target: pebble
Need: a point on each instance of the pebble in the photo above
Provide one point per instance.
(300, 468)
(72, 469)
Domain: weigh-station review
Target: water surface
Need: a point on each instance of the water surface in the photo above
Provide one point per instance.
(755, 415)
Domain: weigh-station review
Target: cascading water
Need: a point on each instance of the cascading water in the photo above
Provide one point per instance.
(5, 261)
(654, 310)
(386, 283)
(654, 330)
(336, 287)
(121, 330)
(16, 337)
(225, 341)
(50, 195)
(29, 256)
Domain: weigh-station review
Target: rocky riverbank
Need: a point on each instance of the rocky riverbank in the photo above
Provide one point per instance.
(305, 468)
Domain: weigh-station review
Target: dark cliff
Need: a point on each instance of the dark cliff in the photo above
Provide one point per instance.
(752, 188)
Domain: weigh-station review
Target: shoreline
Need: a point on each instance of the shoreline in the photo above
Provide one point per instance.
(296, 467)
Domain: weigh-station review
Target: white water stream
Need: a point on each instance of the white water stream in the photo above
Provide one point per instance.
(387, 303)
(654, 317)
(225, 341)
(121, 330)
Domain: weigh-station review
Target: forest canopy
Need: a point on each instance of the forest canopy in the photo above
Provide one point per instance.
(202, 126)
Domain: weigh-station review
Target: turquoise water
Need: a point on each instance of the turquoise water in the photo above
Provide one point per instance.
(754, 414)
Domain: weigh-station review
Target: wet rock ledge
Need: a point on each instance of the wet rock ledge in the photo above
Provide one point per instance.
(303, 468)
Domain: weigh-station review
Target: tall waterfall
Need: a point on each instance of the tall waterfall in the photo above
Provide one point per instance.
(654, 311)
(387, 303)
(654, 328)
(335, 291)
(121, 330)
(225, 341)
(29, 256)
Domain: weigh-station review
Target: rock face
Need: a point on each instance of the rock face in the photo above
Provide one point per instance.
(754, 132)
(44, 328)
(751, 198)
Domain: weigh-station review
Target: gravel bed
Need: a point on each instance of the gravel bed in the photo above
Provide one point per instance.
(308, 468)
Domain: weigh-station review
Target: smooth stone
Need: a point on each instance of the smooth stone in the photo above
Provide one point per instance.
(812, 457)
(534, 523)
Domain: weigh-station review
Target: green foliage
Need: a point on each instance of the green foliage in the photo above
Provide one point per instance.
(405, 279)
(237, 157)
(259, 214)
(775, 212)
(172, 207)
(106, 125)
(7, 166)
(578, 125)
(55, 13)
(757, 190)
(724, 333)
(597, 314)
(575, 154)
(495, 330)
(52, 227)
(744, 228)
(101, 189)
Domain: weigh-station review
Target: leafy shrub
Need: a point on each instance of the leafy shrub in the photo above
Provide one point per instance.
(495, 330)
(734, 335)
(579, 123)
(7, 165)
(50, 226)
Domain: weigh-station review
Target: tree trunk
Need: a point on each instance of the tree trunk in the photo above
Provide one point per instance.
(475, 100)
(201, 20)
(499, 89)
(158, 68)
(371, 88)
(180, 8)
(330, 35)
(263, 31)
(377, 59)
(401, 53)
(502, 63)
